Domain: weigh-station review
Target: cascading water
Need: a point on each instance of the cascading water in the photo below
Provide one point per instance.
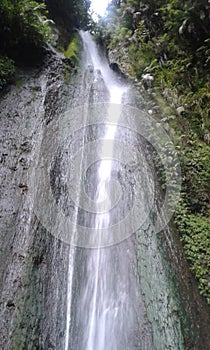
(122, 291)
(108, 313)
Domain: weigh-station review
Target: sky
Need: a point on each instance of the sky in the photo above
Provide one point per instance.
(99, 6)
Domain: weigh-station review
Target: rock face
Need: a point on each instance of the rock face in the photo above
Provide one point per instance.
(33, 263)
(117, 63)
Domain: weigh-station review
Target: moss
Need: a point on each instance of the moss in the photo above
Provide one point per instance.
(72, 50)
(66, 73)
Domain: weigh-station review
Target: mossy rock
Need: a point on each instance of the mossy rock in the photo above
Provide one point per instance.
(72, 50)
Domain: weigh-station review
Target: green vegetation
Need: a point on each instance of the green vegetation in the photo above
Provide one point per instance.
(22, 22)
(194, 232)
(24, 27)
(170, 41)
(72, 50)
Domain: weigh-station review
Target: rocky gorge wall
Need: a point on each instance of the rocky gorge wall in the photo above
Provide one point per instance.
(33, 263)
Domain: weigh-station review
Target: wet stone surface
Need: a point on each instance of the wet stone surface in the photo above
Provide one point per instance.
(33, 264)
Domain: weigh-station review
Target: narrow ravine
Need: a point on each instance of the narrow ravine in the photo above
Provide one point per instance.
(89, 260)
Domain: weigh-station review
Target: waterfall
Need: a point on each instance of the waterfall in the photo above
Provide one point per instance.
(106, 312)
(120, 284)
(89, 260)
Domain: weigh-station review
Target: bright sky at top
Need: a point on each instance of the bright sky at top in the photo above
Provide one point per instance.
(99, 6)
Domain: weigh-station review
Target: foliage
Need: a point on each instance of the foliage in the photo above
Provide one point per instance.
(192, 215)
(195, 161)
(195, 236)
(72, 50)
(24, 27)
(81, 13)
(22, 22)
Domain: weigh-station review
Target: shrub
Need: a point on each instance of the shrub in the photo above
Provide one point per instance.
(22, 22)
(24, 30)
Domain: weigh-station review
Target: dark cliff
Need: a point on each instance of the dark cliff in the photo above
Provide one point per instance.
(33, 263)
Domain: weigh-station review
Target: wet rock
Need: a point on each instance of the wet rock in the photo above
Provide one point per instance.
(115, 67)
(26, 146)
(180, 110)
(90, 68)
(32, 263)
(10, 304)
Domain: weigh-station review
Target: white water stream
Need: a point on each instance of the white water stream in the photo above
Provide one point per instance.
(104, 311)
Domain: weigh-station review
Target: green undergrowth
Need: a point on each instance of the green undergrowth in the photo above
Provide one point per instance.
(194, 231)
(192, 216)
